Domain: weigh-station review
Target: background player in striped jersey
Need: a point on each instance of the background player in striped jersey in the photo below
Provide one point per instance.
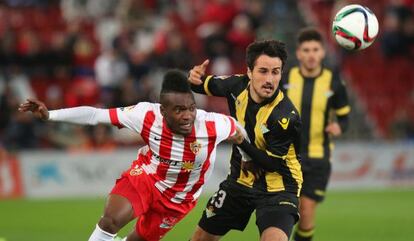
(165, 181)
(315, 91)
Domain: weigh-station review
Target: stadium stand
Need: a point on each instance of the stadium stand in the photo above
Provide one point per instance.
(50, 50)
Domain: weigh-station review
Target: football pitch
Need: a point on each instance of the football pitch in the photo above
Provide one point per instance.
(381, 215)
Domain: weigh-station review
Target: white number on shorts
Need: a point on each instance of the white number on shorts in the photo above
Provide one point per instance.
(218, 198)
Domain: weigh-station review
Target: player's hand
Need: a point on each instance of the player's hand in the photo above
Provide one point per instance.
(37, 107)
(197, 72)
(334, 129)
(236, 138)
(254, 169)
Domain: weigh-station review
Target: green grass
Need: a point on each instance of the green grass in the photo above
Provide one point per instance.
(358, 216)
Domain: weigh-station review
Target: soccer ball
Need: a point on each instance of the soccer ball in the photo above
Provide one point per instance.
(355, 27)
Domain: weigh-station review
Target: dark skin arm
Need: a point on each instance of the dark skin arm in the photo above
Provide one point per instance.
(38, 108)
(197, 72)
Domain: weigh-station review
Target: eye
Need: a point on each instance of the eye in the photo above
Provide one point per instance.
(262, 71)
(276, 72)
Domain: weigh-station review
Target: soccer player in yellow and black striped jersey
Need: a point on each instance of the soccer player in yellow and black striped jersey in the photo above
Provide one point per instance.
(316, 92)
(272, 180)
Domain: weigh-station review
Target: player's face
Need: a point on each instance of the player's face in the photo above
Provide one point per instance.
(265, 77)
(310, 54)
(179, 111)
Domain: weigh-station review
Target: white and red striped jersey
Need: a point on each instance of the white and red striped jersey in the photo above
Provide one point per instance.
(178, 165)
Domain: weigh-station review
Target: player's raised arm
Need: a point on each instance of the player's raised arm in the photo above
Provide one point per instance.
(197, 72)
(212, 85)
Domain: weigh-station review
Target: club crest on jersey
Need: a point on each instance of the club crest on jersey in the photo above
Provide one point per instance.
(187, 166)
(329, 93)
(195, 147)
(264, 128)
(136, 171)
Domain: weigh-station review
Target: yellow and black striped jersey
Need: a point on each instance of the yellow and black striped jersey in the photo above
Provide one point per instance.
(273, 126)
(315, 98)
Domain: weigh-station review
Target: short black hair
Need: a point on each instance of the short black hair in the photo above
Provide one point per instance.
(309, 34)
(175, 81)
(272, 48)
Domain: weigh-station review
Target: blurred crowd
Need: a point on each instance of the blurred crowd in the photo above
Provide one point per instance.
(398, 27)
(109, 53)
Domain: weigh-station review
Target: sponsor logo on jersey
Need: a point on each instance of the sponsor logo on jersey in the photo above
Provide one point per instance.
(209, 212)
(195, 147)
(284, 123)
(168, 222)
(187, 166)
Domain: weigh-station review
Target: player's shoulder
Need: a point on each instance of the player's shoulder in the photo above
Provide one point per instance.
(203, 116)
(142, 107)
(287, 75)
(290, 70)
(235, 79)
(335, 77)
(287, 108)
(333, 72)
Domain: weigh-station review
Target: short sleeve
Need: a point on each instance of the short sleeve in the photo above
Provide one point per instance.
(340, 98)
(226, 126)
(131, 117)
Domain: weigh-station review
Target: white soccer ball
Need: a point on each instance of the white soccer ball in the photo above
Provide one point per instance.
(355, 27)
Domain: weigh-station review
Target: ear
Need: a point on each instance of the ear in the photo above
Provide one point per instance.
(323, 52)
(249, 73)
(163, 111)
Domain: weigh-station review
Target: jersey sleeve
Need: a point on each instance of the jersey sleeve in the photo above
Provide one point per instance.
(131, 117)
(281, 137)
(225, 126)
(215, 85)
(340, 98)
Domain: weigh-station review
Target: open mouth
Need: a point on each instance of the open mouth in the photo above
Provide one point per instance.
(186, 126)
(268, 88)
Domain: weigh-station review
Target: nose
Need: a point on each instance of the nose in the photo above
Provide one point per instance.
(187, 115)
(269, 79)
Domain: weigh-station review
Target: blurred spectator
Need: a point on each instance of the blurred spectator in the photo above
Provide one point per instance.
(398, 36)
(111, 70)
(176, 55)
(402, 127)
(14, 89)
(240, 36)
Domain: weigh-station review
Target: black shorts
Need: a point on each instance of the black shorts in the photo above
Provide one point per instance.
(316, 173)
(231, 207)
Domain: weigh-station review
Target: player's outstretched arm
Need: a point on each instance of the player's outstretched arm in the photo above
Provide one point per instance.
(84, 115)
(37, 107)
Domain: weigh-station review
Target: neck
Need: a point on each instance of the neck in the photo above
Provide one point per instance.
(310, 73)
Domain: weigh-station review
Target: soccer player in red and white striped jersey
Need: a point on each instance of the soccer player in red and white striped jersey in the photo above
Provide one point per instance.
(165, 181)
